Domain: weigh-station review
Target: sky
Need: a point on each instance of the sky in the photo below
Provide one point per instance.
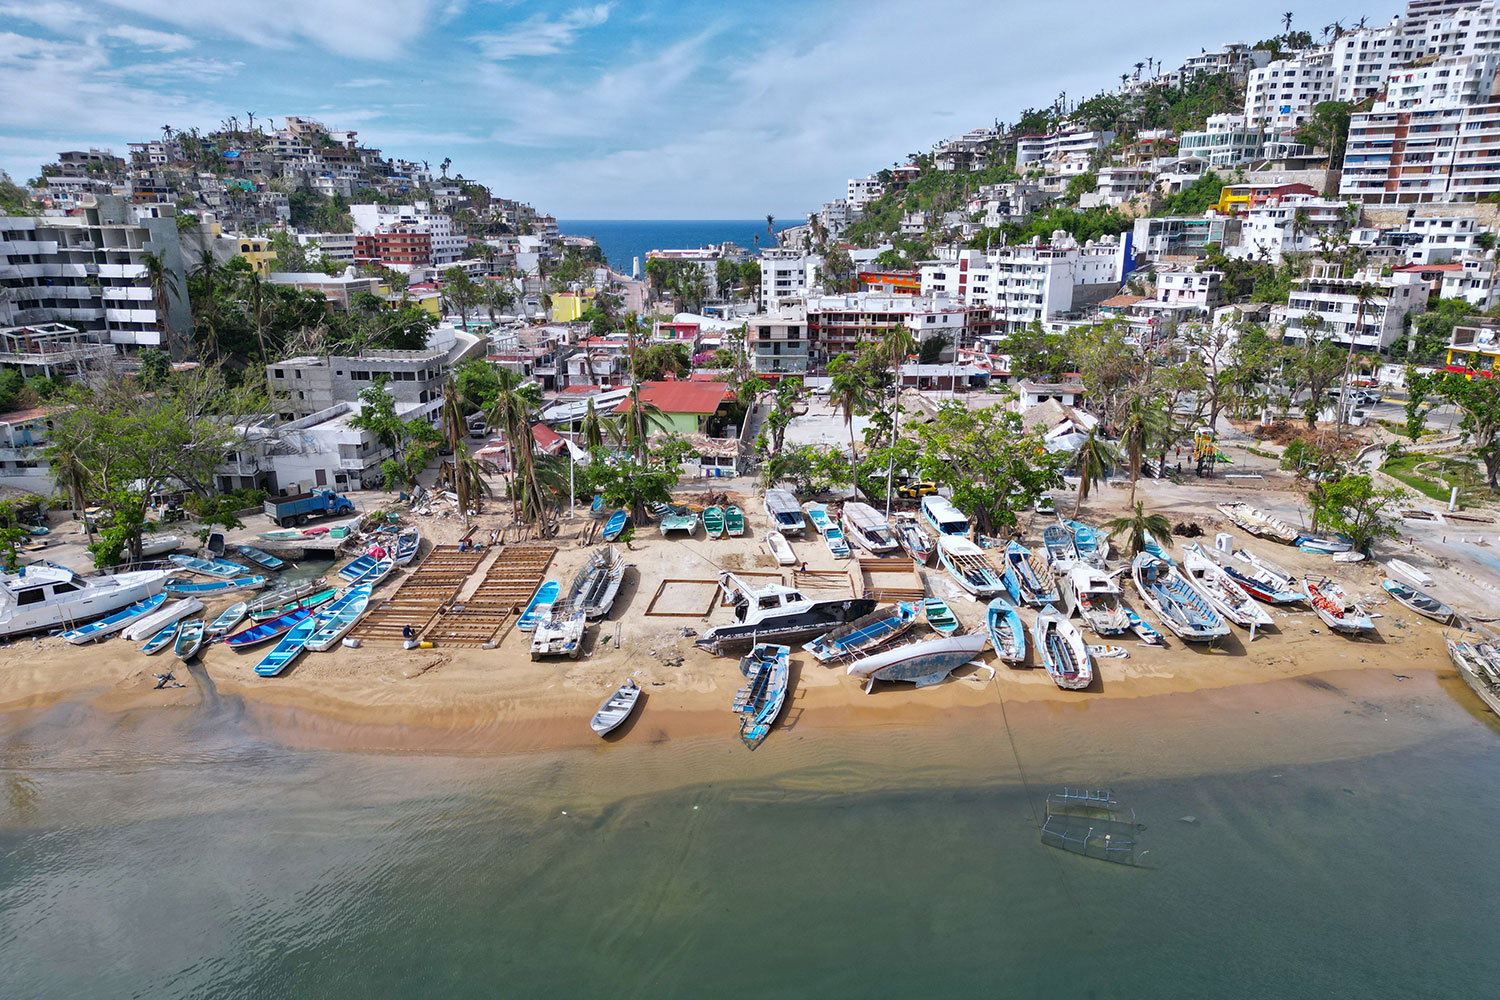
(632, 109)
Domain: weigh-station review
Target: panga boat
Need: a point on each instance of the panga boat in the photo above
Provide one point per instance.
(1409, 572)
(767, 668)
(597, 508)
(1062, 650)
(914, 541)
(262, 559)
(282, 595)
(359, 567)
(924, 662)
(1095, 596)
(313, 600)
(1092, 544)
(268, 630)
(967, 563)
(227, 619)
(222, 568)
(1257, 522)
(1026, 579)
(777, 612)
(339, 617)
(185, 585)
(1262, 579)
(288, 649)
(940, 617)
(1180, 606)
(545, 594)
(678, 519)
(44, 596)
(817, 516)
(616, 708)
(713, 522)
(1327, 544)
(1420, 602)
(1007, 631)
(780, 550)
(864, 634)
(783, 512)
(1223, 592)
(943, 517)
(1062, 551)
(189, 640)
(833, 538)
(158, 545)
(149, 625)
(597, 583)
(1334, 607)
(615, 525)
(160, 640)
(105, 627)
(868, 528)
(408, 541)
(734, 521)
(1478, 671)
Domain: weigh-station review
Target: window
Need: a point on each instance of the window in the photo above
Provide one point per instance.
(32, 596)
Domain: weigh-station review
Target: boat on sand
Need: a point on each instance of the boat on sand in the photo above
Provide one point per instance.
(1334, 607)
(1061, 648)
(616, 708)
(923, 663)
(767, 667)
(868, 632)
(1007, 631)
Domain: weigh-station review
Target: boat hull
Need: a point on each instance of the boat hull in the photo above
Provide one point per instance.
(801, 625)
(921, 663)
(1062, 651)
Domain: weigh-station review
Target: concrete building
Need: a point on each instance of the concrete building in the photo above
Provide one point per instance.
(839, 323)
(337, 288)
(1297, 223)
(863, 190)
(786, 276)
(1226, 142)
(23, 438)
(1170, 236)
(338, 246)
(445, 245)
(1065, 153)
(53, 349)
(1474, 283)
(303, 386)
(1281, 95)
(1475, 348)
(1200, 291)
(1035, 281)
(779, 341)
(1372, 326)
(1118, 184)
(294, 456)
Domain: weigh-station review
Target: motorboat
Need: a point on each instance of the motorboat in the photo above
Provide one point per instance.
(1062, 551)
(776, 612)
(868, 528)
(1181, 607)
(44, 596)
(288, 648)
(146, 627)
(968, 564)
(780, 549)
(268, 630)
(713, 521)
(1095, 596)
(783, 513)
(1261, 578)
(261, 558)
(1026, 578)
(767, 667)
(734, 521)
(923, 663)
(105, 627)
(1091, 543)
(1060, 647)
(597, 583)
(1326, 544)
(189, 640)
(316, 599)
(943, 517)
(545, 594)
(226, 620)
(1420, 602)
(817, 516)
(1007, 631)
(615, 525)
(833, 538)
(339, 617)
(616, 708)
(869, 632)
(913, 540)
(1222, 590)
(186, 585)
(559, 632)
(1334, 607)
(1477, 670)
(1259, 523)
(159, 545)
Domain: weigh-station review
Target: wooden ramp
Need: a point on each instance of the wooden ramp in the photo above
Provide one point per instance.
(434, 583)
(501, 596)
(891, 579)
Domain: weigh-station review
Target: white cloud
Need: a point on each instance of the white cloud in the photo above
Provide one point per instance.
(54, 15)
(159, 41)
(366, 81)
(540, 36)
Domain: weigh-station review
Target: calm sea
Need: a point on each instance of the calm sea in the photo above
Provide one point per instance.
(189, 861)
(622, 239)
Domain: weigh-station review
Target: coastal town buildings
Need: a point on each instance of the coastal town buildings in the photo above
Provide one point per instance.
(1330, 308)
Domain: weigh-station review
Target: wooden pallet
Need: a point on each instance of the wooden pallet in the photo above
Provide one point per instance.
(416, 603)
(483, 616)
(890, 579)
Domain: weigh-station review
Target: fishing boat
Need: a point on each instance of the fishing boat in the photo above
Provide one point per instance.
(1258, 523)
(262, 559)
(868, 528)
(288, 649)
(268, 630)
(189, 640)
(280, 535)
(783, 513)
(221, 568)
(408, 541)
(923, 663)
(161, 640)
(545, 594)
(713, 522)
(1477, 670)
(758, 703)
(1185, 611)
(105, 627)
(1143, 630)
(359, 567)
(914, 541)
(967, 563)
(285, 594)
(1409, 572)
(868, 632)
(44, 596)
(833, 538)
(776, 612)
(616, 708)
(1419, 601)
(615, 525)
(1223, 592)
(1097, 599)
(144, 628)
(1157, 549)
(1062, 551)
(944, 518)
(597, 508)
(313, 600)
(185, 585)
(1334, 607)
(382, 568)
(158, 545)
(1261, 578)
(1028, 580)
(780, 549)
(1007, 631)
(817, 516)
(1327, 544)
(339, 617)
(559, 632)
(597, 583)
(226, 620)
(940, 618)
(1091, 543)
(734, 521)
(681, 519)
(1060, 647)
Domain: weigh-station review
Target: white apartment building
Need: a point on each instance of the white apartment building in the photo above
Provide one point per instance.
(447, 245)
(786, 277)
(1198, 290)
(302, 386)
(1474, 284)
(863, 190)
(1176, 235)
(1065, 153)
(1226, 142)
(1442, 239)
(1281, 95)
(1117, 185)
(1236, 59)
(1035, 281)
(1363, 58)
(1296, 223)
(779, 341)
(1340, 318)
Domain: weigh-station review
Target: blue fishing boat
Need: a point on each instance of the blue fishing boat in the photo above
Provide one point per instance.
(288, 649)
(95, 631)
(1142, 629)
(1035, 585)
(408, 541)
(222, 568)
(596, 509)
(1007, 631)
(864, 634)
(615, 525)
(358, 567)
(183, 585)
(759, 702)
(1157, 549)
(940, 617)
(266, 631)
(228, 619)
(262, 559)
(382, 569)
(161, 640)
(339, 617)
(1092, 544)
(189, 640)
(833, 537)
(1062, 550)
(545, 594)
(1061, 648)
(1180, 606)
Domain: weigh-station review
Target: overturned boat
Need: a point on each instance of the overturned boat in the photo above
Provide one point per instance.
(1258, 523)
(777, 613)
(595, 587)
(923, 663)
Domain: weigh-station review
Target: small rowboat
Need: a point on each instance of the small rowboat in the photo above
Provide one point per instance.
(339, 617)
(734, 521)
(184, 585)
(160, 640)
(713, 522)
(262, 559)
(359, 567)
(834, 539)
(1421, 603)
(314, 600)
(1063, 651)
(282, 595)
(228, 619)
(759, 702)
(115, 622)
(189, 640)
(782, 551)
(939, 616)
(615, 525)
(616, 708)
(1334, 607)
(545, 594)
(1062, 550)
(596, 509)
(817, 515)
(148, 625)
(288, 649)
(266, 631)
(1405, 569)
(407, 544)
(1007, 631)
(222, 568)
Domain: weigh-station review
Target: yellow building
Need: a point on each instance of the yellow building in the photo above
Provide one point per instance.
(568, 307)
(258, 252)
(1475, 347)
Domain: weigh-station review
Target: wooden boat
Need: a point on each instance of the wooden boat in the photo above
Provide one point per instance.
(339, 617)
(1091, 543)
(262, 559)
(968, 564)
(869, 632)
(268, 630)
(1409, 572)
(1420, 602)
(1143, 631)
(148, 625)
(285, 652)
(1477, 671)
(597, 583)
(1334, 607)
(1007, 631)
(780, 549)
(1062, 551)
(1258, 523)
(1157, 549)
(923, 663)
(222, 568)
(105, 627)
(1180, 606)
(408, 541)
(1031, 581)
(943, 517)
(734, 521)
(313, 600)
(940, 617)
(616, 524)
(868, 528)
(227, 619)
(776, 612)
(1094, 595)
(1261, 578)
(1323, 543)
(817, 516)
(678, 519)
(189, 640)
(545, 594)
(283, 595)
(616, 708)
(382, 569)
(713, 522)
(914, 541)
(1223, 592)
(158, 545)
(833, 538)
(784, 514)
(1061, 648)
(161, 640)
(767, 667)
(359, 567)
(184, 585)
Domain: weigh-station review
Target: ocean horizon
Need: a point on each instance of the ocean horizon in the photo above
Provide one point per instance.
(623, 240)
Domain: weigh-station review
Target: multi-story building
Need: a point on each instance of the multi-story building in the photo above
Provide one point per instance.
(1475, 283)
(779, 342)
(302, 386)
(1474, 348)
(1198, 290)
(1297, 223)
(1118, 184)
(445, 245)
(1168, 236)
(1341, 317)
(337, 246)
(1227, 142)
(1066, 153)
(863, 190)
(1425, 154)
(1032, 282)
(962, 153)
(837, 324)
(786, 276)
(53, 349)
(1282, 95)
(397, 248)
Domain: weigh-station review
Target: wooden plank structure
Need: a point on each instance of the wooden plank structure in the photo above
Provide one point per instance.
(501, 596)
(824, 581)
(681, 584)
(890, 579)
(434, 583)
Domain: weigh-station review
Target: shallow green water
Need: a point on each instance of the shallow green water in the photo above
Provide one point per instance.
(188, 862)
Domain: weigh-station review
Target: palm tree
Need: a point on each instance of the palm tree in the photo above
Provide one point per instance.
(898, 343)
(164, 287)
(848, 392)
(770, 223)
(1147, 421)
(1286, 21)
(513, 411)
(593, 433)
(255, 293)
(1096, 457)
(1363, 292)
(1137, 525)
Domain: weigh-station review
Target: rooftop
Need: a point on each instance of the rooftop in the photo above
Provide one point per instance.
(681, 397)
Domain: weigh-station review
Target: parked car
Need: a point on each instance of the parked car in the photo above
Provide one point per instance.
(916, 491)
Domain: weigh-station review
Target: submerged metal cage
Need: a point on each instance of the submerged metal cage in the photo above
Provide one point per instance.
(1092, 823)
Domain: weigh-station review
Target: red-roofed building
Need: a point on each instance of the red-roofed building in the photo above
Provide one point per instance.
(689, 407)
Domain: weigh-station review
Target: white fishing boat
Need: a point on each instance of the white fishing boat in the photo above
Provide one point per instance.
(559, 632)
(1335, 608)
(227, 620)
(767, 669)
(1263, 579)
(943, 517)
(145, 628)
(596, 585)
(1179, 605)
(1062, 551)
(780, 549)
(45, 596)
(914, 541)
(777, 613)
(616, 708)
(868, 528)
(159, 545)
(970, 566)
(1061, 649)
(1223, 592)
(1259, 523)
(408, 541)
(817, 516)
(783, 513)
(339, 617)
(1408, 572)
(105, 627)
(923, 663)
(1095, 597)
(1419, 601)
(1477, 670)
(189, 640)
(833, 538)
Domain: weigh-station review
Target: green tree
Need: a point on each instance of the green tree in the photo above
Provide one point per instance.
(477, 384)
(1095, 458)
(1328, 128)
(165, 287)
(1355, 507)
(12, 534)
(1137, 525)
(1478, 402)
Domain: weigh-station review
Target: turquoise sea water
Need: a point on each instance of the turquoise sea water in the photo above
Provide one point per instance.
(624, 239)
(186, 860)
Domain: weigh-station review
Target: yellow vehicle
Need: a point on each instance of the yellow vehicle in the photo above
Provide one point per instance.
(915, 491)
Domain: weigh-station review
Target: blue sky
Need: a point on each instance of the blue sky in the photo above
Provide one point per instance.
(666, 109)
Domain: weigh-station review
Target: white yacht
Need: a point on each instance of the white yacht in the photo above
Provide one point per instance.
(46, 596)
